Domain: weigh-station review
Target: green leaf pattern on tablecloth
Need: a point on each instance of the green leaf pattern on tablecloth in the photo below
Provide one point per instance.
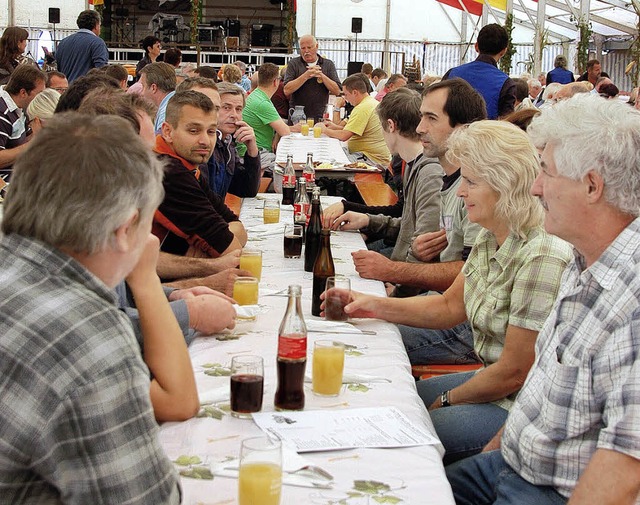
(191, 469)
(212, 411)
(352, 350)
(216, 370)
(358, 388)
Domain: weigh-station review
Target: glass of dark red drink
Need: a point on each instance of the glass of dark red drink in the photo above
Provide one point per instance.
(247, 385)
(292, 241)
(335, 301)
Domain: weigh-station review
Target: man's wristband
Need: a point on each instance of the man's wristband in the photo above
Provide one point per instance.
(444, 399)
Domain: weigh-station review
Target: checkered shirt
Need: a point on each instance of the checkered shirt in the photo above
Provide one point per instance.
(583, 392)
(515, 284)
(76, 424)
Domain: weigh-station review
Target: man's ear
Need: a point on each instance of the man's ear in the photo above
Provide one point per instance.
(594, 186)
(166, 131)
(391, 125)
(125, 232)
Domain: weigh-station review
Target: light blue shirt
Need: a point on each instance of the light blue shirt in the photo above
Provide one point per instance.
(162, 112)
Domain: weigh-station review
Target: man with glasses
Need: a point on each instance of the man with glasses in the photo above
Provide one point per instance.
(57, 80)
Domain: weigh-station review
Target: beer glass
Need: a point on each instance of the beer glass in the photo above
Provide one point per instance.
(251, 260)
(333, 303)
(247, 385)
(292, 241)
(328, 365)
(260, 479)
(271, 212)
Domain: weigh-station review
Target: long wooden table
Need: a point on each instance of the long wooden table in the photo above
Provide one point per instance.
(413, 475)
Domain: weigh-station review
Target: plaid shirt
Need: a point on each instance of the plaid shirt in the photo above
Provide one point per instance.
(515, 284)
(583, 392)
(76, 424)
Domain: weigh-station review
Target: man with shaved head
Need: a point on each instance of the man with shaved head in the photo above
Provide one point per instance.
(310, 78)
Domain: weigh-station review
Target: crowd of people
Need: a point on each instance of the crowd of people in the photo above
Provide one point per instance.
(514, 245)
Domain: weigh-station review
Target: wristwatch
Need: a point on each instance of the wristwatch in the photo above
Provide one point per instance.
(444, 399)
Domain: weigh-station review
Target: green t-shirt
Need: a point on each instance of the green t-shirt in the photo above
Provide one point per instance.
(258, 112)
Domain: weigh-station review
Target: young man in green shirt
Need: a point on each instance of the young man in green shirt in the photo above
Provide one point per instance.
(259, 111)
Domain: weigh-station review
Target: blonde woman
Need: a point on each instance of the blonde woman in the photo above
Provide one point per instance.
(505, 290)
(41, 108)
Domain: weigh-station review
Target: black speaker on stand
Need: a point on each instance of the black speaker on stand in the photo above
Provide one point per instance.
(356, 27)
(54, 19)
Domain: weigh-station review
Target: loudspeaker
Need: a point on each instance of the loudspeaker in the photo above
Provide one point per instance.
(353, 67)
(261, 35)
(54, 15)
(233, 27)
(356, 25)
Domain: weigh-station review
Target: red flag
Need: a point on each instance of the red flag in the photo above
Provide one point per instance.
(470, 5)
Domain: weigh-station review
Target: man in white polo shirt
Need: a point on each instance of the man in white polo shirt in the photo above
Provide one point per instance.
(25, 83)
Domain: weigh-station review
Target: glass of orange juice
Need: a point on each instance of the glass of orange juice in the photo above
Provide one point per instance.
(310, 122)
(328, 365)
(245, 292)
(260, 479)
(317, 131)
(271, 211)
(251, 260)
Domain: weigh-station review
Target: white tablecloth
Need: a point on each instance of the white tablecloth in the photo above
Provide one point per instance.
(407, 475)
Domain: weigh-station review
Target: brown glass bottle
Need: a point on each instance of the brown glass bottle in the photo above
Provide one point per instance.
(314, 231)
(289, 182)
(322, 268)
(292, 355)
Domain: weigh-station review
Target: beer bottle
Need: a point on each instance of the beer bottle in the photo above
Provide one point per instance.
(289, 182)
(309, 173)
(314, 230)
(301, 205)
(292, 355)
(322, 269)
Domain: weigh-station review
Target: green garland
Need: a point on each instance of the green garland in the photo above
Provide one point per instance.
(582, 50)
(505, 61)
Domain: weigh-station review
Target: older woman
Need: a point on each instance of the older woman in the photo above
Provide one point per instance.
(12, 45)
(41, 108)
(505, 290)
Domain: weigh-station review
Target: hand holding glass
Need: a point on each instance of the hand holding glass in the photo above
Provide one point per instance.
(333, 302)
(260, 479)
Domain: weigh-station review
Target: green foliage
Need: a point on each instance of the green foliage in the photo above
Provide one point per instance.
(582, 51)
(506, 60)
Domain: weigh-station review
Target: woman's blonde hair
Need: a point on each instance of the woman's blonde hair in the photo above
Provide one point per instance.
(501, 155)
(44, 104)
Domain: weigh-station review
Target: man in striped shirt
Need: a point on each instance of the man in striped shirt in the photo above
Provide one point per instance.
(25, 83)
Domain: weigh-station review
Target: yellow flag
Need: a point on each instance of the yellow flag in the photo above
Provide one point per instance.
(496, 4)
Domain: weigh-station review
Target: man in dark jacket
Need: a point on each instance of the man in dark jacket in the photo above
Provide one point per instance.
(234, 166)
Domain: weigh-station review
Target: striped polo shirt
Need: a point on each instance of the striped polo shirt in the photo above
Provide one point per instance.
(13, 130)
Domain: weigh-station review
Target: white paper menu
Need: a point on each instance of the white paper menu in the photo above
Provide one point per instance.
(322, 430)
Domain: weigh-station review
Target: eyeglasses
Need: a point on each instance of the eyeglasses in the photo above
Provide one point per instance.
(60, 90)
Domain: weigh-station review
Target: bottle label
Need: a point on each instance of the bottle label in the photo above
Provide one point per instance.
(310, 177)
(299, 208)
(292, 348)
(289, 180)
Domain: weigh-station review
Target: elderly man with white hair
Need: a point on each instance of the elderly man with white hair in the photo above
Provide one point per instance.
(572, 434)
(310, 79)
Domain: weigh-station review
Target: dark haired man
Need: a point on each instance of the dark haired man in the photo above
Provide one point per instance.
(362, 131)
(84, 50)
(497, 89)
(399, 115)
(24, 84)
(57, 80)
(445, 106)
(593, 73)
(192, 220)
(260, 113)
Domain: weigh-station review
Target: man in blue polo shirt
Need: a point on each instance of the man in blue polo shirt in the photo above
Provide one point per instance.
(497, 89)
(84, 50)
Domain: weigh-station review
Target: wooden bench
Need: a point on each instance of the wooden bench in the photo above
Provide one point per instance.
(373, 190)
(427, 371)
(234, 203)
